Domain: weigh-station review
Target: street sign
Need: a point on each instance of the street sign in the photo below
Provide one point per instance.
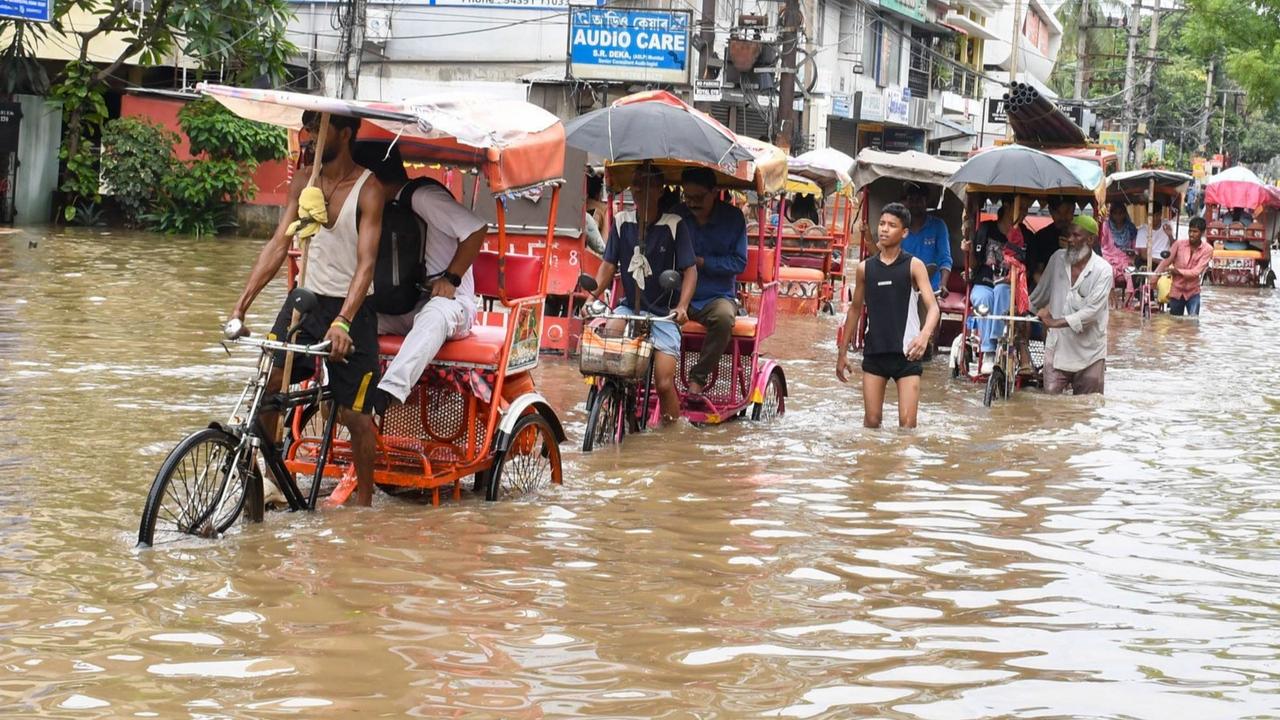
(707, 91)
(29, 10)
(996, 112)
(650, 46)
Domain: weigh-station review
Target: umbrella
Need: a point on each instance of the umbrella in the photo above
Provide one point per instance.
(1238, 187)
(1017, 168)
(828, 167)
(656, 125)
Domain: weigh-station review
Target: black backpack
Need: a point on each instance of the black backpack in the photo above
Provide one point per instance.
(398, 273)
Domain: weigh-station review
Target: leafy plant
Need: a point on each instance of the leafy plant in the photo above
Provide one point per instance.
(218, 132)
(137, 159)
(84, 107)
(200, 196)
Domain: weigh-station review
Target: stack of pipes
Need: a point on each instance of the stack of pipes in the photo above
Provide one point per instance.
(1037, 121)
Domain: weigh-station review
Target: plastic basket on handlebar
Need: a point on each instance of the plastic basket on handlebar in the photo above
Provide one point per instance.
(623, 357)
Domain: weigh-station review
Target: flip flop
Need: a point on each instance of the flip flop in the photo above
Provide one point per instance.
(343, 491)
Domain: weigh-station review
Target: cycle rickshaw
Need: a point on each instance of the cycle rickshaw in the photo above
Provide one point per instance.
(474, 413)
(745, 380)
(1025, 174)
(1144, 188)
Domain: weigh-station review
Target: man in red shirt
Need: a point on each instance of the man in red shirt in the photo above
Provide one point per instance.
(1187, 261)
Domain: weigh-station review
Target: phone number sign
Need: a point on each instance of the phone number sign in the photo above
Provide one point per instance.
(629, 45)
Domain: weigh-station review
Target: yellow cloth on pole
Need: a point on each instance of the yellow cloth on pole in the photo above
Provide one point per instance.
(312, 213)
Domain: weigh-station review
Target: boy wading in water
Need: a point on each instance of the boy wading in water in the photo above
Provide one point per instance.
(891, 284)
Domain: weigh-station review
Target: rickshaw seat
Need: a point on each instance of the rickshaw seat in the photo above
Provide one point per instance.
(790, 273)
(524, 275)
(952, 304)
(743, 326)
(482, 346)
(813, 262)
(1233, 254)
(751, 274)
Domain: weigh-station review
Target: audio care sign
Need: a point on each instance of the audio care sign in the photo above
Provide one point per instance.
(629, 45)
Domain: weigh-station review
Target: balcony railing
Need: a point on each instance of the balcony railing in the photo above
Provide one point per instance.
(964, 83)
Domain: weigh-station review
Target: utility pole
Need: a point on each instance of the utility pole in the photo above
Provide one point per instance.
(787, 87)
(1148, 102)
(1014, 48)
(351, 51)
(1082, 55)
(708, 38)
(1208, 108)
(1130, 78)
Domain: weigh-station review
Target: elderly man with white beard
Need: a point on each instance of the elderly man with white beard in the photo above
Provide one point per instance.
(1072, 302)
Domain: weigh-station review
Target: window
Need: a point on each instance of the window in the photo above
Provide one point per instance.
(853, 22)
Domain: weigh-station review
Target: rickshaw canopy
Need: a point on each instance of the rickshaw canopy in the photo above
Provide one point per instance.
(519, 147)
(909, 166)
(1238, 187)
(1133, 186)
(797, 184)
(828, 167)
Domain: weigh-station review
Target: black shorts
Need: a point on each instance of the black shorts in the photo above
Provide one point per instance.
(892, 366)
(352, 382)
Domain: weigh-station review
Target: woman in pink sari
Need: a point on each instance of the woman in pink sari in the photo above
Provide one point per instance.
(1117, 259)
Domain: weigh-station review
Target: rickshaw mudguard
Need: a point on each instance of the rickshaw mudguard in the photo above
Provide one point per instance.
(517, 408)
(763, 373)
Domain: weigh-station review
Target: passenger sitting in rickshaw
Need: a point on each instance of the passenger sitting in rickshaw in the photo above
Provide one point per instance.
(446, 307)
(804, 207)
(999, 247)
(1121, 230)
(647, 241)
(927, 237)
(1155, 236)
(720, 247)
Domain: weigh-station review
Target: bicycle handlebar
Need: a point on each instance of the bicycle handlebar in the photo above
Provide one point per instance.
(320, 349)
(635, 318)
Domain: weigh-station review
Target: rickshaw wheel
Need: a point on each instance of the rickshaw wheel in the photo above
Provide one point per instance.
(195, 492)
(773, 403)
(530, 462)
(604, 418)
(996, 388)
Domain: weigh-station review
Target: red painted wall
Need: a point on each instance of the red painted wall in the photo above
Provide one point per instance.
(271, 177)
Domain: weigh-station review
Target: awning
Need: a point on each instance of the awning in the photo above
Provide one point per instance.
(967, 26)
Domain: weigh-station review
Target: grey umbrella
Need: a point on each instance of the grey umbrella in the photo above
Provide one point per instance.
(651, 126)
(1016, 168)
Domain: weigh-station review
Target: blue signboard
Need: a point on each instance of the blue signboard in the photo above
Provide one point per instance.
(30, 10)
(629, 45)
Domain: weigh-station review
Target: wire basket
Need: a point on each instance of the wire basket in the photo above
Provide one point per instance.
(622, 357)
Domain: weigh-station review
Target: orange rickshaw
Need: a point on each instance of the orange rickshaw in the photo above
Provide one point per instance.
(474, 413)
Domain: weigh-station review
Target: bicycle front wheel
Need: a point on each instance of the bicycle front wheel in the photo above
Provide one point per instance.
(604, 418)
(996, 387)
(199, 490)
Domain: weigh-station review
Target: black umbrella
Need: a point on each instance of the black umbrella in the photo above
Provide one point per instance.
(651, 126)
(1016, 168)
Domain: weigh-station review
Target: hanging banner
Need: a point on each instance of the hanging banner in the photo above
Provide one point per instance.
(629, 45)
(897, 104)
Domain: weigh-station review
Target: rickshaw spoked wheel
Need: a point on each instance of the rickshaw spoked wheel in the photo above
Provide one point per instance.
(604, 417)
(530, 463)
(773, 402)
(198, 490)
(311, 425)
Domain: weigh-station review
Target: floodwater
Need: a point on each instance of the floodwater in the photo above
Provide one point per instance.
(1049, 557)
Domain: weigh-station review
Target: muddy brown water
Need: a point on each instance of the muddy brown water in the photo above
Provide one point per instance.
(1049, 557)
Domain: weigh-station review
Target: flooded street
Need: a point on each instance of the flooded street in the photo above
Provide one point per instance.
(1048, 557)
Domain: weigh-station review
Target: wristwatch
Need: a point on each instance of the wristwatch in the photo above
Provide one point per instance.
(454, 280)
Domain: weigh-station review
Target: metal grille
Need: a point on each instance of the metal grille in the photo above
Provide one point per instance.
(720, 389)
(433, 422)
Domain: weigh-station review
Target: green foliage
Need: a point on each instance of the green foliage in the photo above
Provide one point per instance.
(84, 109)
(200, 196)
(218, 132)
(137, 158)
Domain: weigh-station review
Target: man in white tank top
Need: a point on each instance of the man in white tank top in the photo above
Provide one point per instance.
(340, 262)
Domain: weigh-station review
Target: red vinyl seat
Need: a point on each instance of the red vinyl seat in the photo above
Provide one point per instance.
(743, 326)
(483, 346)
(524, 275)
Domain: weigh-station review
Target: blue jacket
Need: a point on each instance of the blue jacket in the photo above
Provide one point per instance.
(722, 245)
(932, 244)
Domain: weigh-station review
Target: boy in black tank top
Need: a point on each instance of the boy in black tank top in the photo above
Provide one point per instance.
(891, 284)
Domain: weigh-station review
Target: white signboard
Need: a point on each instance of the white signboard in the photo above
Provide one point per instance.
(897, 104)
(707, 91)
(872, 107)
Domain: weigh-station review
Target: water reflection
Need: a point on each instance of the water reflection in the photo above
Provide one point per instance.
(1047, 557)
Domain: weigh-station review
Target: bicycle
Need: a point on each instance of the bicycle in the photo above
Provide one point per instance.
(1004, 373)
(213, 475)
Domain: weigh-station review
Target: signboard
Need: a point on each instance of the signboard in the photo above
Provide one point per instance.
(897, 139)
(872, 106)
(1117, 141)
(841, 106)
(10, 119)
(1199, 168)
(29, 10)
(707, 91)
(913, 9)
(897, 104)
(561, 5)
(629, 45)
(995, 111)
